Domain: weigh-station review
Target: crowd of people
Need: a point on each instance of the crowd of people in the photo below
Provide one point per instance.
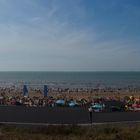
(7, 98)
(41, 102)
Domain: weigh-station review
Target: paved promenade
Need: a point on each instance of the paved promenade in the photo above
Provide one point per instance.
(60, 115)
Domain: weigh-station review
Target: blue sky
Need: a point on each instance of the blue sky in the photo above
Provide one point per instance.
(69, 35)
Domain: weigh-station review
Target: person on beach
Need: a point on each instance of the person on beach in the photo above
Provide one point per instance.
(90, 114)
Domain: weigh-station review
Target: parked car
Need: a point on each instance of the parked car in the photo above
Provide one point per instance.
(98, 107)
(136, 105)
(115, 105)
(60, 102)
(72, 104)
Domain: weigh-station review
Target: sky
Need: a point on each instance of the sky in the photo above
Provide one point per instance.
(69, 35)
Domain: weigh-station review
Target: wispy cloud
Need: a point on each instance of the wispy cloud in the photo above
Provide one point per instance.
(52, 35)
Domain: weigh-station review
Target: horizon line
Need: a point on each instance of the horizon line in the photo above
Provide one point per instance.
(69, 71)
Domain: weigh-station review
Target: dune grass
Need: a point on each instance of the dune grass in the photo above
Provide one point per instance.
(72, 132)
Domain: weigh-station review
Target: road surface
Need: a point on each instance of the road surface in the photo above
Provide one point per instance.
(61, 115)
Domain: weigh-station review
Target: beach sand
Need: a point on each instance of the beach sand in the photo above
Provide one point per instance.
(73, 94)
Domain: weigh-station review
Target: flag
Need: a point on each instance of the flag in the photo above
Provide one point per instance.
(25, 90)
(45, 90)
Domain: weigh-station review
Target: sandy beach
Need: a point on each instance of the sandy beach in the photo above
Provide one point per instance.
(72, 93)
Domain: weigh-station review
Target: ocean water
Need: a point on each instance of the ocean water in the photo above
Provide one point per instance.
(71, 79)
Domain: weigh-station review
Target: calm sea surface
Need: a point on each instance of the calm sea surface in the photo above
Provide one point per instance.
(71, 79)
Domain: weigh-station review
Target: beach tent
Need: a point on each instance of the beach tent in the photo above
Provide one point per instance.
(25, 91)
(45, 90)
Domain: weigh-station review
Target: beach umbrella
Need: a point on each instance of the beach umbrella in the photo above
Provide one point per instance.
(45, 90)
(25, 90)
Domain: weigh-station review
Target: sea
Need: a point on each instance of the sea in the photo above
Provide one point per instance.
(71, 79)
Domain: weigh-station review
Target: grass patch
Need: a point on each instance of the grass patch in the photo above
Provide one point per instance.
(71, 132)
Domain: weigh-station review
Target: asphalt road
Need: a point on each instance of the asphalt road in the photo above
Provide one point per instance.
(61, 115)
